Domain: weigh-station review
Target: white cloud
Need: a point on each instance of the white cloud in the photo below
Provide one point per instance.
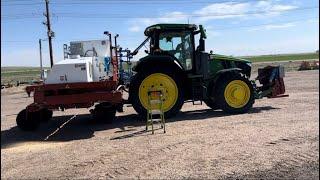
(273, 26)
(230, 10)
(173, 17)
(279, 7)
(135, 28)
(139, 24)
(242, 10)
(222, 11)
(279, 26)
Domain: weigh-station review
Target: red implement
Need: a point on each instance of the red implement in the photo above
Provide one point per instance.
(73, 95)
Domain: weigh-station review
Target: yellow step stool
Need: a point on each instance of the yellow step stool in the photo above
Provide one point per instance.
(155, 107)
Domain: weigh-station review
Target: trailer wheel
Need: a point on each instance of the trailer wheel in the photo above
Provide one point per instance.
(46, 115)
(104, 113)
(28, 121)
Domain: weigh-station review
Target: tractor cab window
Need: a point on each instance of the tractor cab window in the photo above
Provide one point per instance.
(179, 45)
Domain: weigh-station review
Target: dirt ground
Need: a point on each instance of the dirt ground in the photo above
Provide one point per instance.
(278, 138)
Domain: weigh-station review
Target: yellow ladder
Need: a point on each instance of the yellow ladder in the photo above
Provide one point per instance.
(155, 107)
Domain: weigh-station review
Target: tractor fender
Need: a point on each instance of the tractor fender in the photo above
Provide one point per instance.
(226, 71)
(229, 70)
(158, 61)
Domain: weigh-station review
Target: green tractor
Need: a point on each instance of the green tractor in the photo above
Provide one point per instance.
(185, 72)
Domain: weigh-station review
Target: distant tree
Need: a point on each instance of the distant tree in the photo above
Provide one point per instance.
(317, 51)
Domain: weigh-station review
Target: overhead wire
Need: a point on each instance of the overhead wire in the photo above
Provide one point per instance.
(120, 16)
(124, 2)
(79, 15)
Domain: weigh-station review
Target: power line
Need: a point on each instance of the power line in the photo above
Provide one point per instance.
(84, 15)
(28, 4)
(126, 2)
(120, 16)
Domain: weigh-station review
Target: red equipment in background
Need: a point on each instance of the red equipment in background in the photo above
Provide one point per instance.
(271, 77)
(105, 95)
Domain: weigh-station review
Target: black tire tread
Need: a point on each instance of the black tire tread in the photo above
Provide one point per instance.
(28, 121)
(140, 76)
(220, 87)
(104, 113)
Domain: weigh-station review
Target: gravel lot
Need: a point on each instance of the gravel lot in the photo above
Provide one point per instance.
(278, 138)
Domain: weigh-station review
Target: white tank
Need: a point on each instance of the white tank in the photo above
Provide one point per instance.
(70, 71)
(87, 61)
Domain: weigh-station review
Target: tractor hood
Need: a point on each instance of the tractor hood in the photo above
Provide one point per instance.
(227, 58)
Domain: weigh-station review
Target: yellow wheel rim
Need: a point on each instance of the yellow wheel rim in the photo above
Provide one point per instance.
(159, 81)
(237, 94)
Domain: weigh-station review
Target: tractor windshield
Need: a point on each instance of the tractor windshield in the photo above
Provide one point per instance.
(179, 45)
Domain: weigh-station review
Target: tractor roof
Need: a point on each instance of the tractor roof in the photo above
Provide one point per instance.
(149, 30)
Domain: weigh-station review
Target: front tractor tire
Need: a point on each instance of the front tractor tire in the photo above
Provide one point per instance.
(164, 79)
(234, 93)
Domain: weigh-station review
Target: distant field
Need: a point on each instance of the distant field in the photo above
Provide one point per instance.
(282, 57)
(22, 74)
(27, 74)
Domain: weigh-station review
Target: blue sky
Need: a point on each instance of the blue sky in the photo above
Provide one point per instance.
(242, 27)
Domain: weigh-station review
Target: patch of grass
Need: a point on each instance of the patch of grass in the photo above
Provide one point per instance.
(282, 57)
(22, 74)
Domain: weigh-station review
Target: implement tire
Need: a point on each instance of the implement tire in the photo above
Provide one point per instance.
(104, 113)
(28, 121)
(46, 115)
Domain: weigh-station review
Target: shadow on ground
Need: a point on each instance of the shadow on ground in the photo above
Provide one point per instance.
(83, 126)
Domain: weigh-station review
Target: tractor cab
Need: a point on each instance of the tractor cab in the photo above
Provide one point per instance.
(177, 41)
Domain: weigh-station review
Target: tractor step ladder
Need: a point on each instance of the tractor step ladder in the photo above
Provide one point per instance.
(197, 89)
(155, 107)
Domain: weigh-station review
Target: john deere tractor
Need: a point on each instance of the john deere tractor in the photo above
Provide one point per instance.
(183, 71)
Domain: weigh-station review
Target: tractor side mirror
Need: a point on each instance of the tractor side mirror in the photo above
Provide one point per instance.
(202, 32)
(146, 51)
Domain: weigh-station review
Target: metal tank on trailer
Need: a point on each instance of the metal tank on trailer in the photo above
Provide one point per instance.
(86, 77)
(84, 61)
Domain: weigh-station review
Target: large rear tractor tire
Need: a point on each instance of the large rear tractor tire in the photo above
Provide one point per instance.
(157, 78)
(234, 93)
(28, 121)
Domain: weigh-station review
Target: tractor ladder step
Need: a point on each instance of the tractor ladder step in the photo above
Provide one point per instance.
(197, 89)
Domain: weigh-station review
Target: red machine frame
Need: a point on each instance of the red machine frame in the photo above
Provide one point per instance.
(73, 95)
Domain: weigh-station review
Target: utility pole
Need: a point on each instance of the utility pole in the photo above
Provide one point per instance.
(41, 68)
(50, 33)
